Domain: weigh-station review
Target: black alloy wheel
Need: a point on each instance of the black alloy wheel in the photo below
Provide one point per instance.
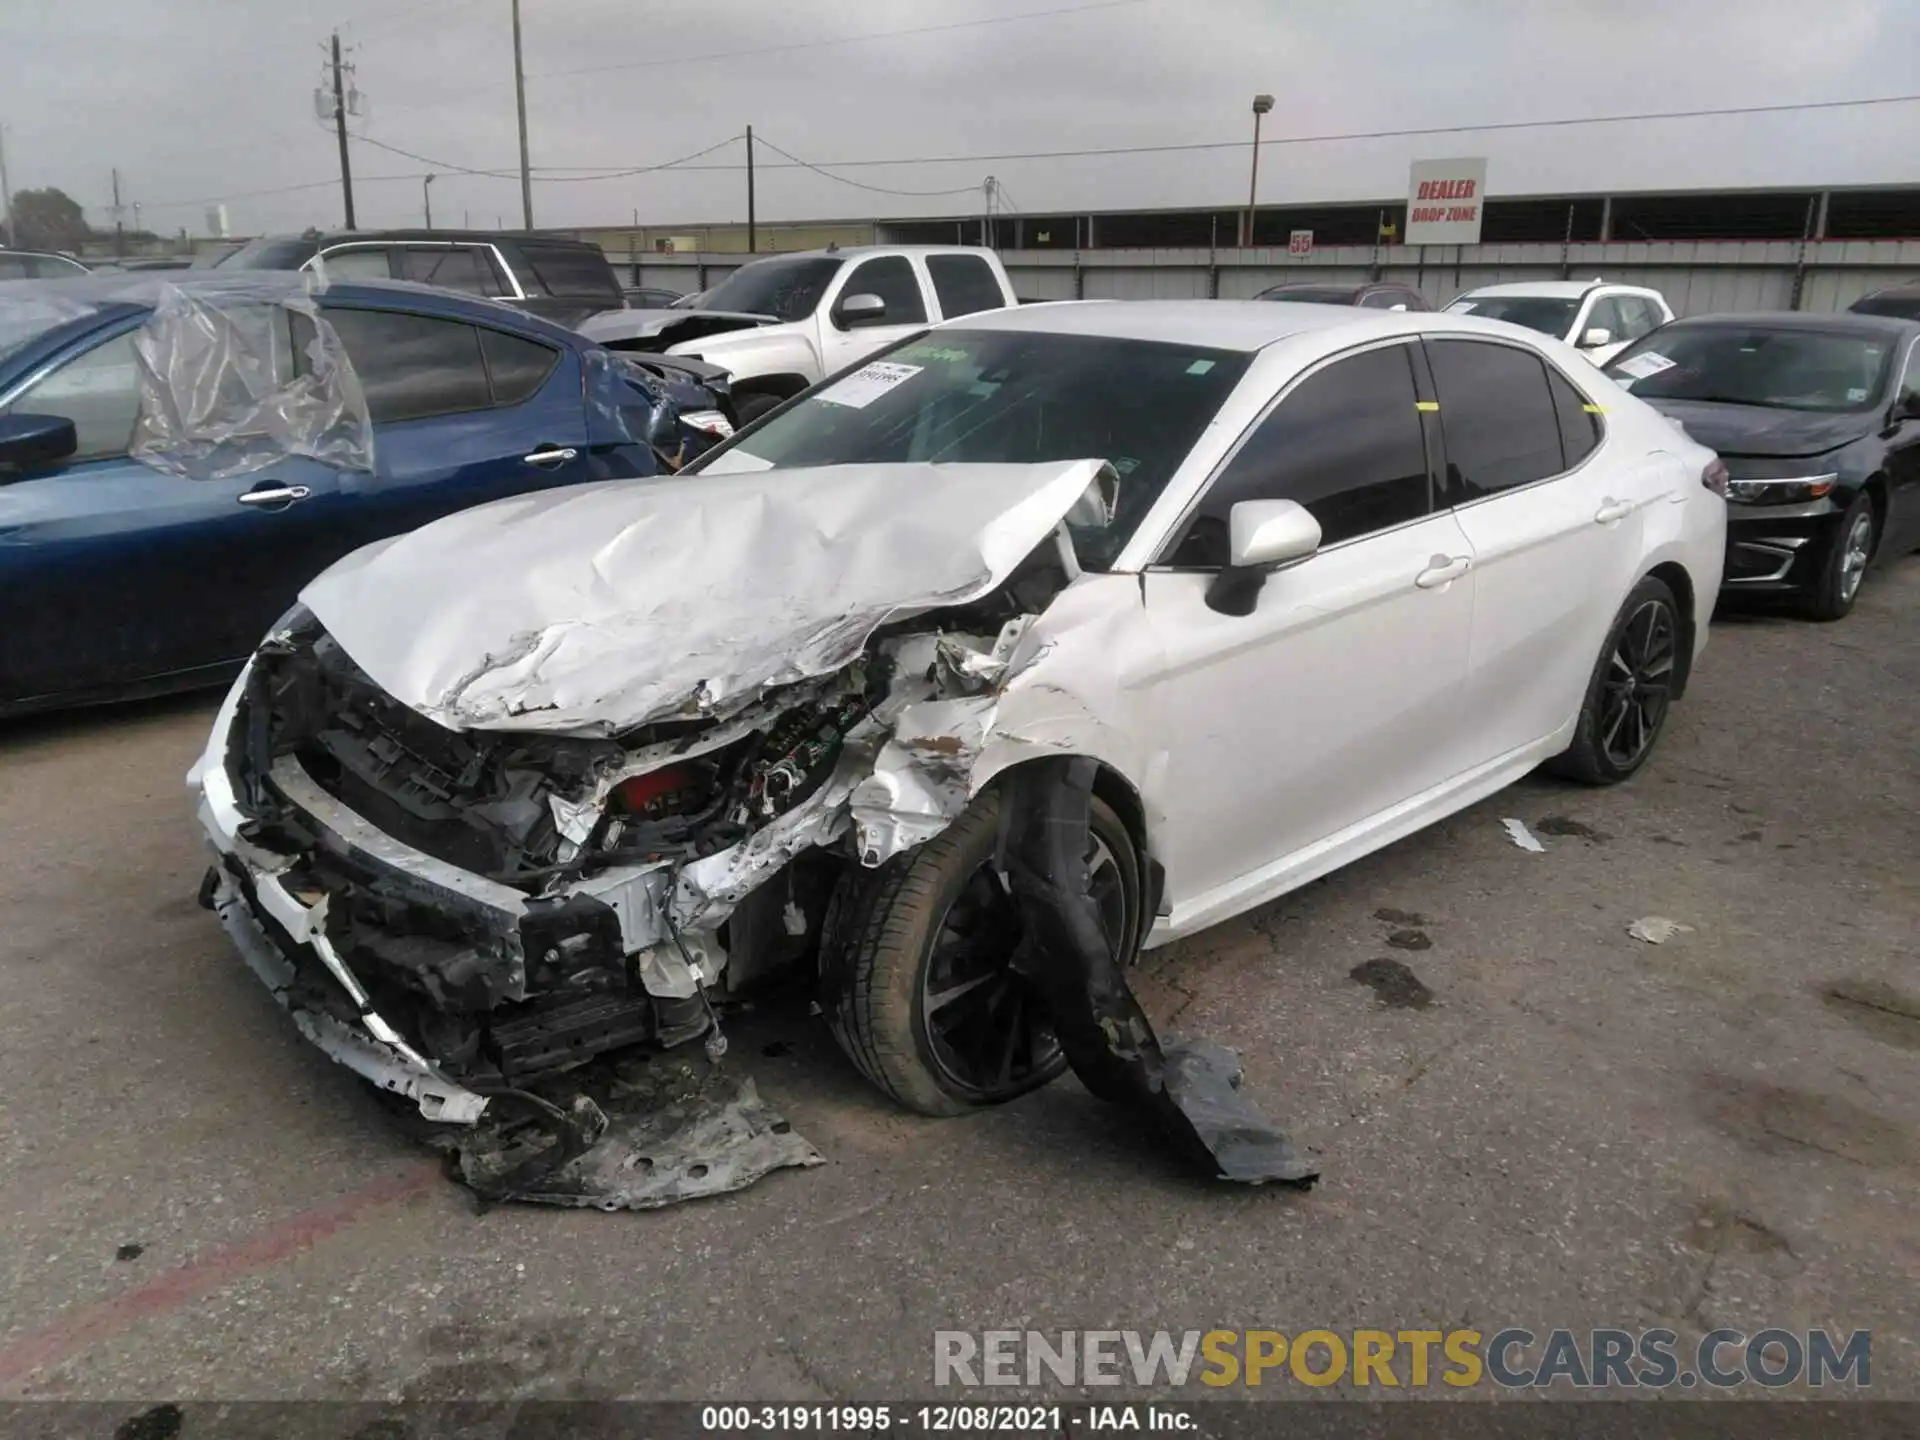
(1639, 682)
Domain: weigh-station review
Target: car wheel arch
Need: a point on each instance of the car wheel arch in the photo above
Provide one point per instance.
(1112, 785)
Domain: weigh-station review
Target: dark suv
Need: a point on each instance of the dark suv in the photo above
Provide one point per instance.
(1902, 302)
(562, 280)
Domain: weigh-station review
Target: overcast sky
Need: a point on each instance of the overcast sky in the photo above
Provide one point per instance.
(195, 100)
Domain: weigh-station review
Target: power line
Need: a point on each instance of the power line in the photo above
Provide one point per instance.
(844, 40)
(327, 184)
(857, 184)
(552, 179)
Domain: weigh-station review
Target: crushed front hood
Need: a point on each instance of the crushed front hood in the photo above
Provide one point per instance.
(596, 608)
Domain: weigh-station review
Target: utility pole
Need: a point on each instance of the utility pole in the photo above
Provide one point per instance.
(1261, 105)
(119, 229)
(750, 234)
(6, 192)
(426, 197)
(520, 100)
(340, 130)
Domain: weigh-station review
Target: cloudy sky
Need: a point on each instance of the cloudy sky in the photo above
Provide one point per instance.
(198, 100)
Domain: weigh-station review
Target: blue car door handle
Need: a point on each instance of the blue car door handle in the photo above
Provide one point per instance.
(550, 455)
(279, 496)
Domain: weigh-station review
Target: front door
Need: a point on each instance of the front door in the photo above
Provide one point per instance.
(844, 338)
(1338, 698)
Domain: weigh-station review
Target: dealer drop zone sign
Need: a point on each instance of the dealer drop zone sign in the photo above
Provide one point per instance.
(1444, 202)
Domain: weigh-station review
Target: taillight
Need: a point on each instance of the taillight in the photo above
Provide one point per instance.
(1714, 477)
(641, 794)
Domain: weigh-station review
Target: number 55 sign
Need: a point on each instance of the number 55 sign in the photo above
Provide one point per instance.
(1300, 242)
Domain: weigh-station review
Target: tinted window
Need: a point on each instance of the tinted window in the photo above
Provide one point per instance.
(411, 366)
(1904, 303)
(963, 284)
(1791, 367)
(270, 254)
(1497, 415)
(785, 289)
(99, 391)
(1017, 398)
(1537, 312)
(1346, 444)
(1310, 294)
(460, 268)
(370, 264)
(1579, 420)
(569, 271)
(1606, 315)
(890, 277)
(517, 366)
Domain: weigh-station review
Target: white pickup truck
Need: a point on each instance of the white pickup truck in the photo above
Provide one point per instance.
(786, 322)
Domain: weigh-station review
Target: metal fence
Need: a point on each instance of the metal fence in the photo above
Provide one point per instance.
(1696, 276)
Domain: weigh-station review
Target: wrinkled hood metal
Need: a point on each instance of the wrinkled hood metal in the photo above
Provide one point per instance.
(613, 325)
(597, 608)
(1764, 431)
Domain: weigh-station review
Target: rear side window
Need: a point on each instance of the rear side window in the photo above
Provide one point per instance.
(413, 366)
(964, 284)
(362, 264)
(1497, 414)
(891, 278)
(461, 268)
(16, 267)
(568, 272)
(1346, 443)
(517, 366)
(1579, 420)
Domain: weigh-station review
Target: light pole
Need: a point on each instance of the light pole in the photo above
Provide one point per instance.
(426, 197)
(1261, 105)
(520, 104)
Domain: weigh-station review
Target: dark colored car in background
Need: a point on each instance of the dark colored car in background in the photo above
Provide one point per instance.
(1375, 295)
(1817, 418)
(1902, 301)
(38, 265)
(118, 578)
(558, 279)
(647, 297)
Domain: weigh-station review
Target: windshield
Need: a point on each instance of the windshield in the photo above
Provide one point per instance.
(1014, 397)
(1310, 294)
(32, 312)
(1784, 368)
(1537, 312)
(785, 289)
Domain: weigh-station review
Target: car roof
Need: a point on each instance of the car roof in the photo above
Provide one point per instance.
(1246, 325)
(1837, 322)
(1556, 289)
(483, 237)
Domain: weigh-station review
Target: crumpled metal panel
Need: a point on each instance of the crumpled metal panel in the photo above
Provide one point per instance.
(606, 607)
(226, 389)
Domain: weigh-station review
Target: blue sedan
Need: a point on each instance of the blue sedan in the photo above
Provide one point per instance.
(118, 578)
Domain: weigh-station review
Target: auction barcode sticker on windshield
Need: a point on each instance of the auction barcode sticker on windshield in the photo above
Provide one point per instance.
(1641, 366)
(869, 383)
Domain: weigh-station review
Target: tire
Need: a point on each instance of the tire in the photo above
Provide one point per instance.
(1644, 640)
(751, 405)
(904, 928)
(1845, 564)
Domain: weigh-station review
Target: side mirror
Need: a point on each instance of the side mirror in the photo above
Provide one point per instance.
(1907, 407)
(857, 310)
(1596, 337)
(1401, 306)
(1262, 535)
(30, 441)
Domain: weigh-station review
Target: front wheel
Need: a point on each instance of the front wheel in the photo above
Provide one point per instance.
(1630, 691)
(1844, 565)
(926, 1004)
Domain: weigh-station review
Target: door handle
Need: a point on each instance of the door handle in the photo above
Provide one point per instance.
(1443, 568)
(275, 495)
(1611, 511)
(550, 455)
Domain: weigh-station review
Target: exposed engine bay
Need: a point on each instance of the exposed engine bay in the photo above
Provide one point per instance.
(474, 917)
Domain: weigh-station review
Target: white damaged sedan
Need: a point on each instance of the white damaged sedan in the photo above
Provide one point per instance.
(1144, 612)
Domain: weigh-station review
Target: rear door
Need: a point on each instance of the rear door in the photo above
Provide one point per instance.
(1555, 515)
(113, 572)
(462, 414)
(1339, 696)
(843, 339)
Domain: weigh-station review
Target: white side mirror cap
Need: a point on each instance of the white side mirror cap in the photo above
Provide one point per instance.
(1270, 532)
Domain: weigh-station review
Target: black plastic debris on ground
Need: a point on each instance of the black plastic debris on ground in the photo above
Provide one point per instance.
(1191, 1089)
(631, 1132)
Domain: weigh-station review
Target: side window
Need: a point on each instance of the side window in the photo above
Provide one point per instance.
(1644, 315)
(963, 284)
(367, 264)
(1380, 300)
(1346, 443)
(1497, 414)
(518, 367)
(99, 391)
(413, 366)
(16, 267)
(890, 277)
(451, 268)
(576, 272)
(1606, 315)
(1579, 419)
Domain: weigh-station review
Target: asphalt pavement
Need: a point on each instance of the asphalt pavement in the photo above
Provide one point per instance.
(1524, 1115)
